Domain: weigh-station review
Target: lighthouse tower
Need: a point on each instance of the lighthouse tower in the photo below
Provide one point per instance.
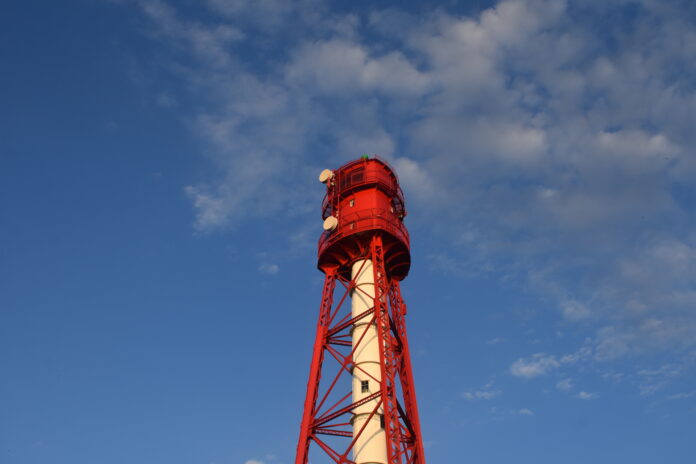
(360, 406)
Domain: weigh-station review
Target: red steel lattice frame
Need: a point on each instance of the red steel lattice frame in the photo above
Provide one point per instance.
(328, 407)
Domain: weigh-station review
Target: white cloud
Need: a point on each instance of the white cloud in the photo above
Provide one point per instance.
(203, 41)
(587, 396)
(652, 380)
(636, 144)
(541, 363)
(253, 461)
(596, 177)
(212, 209)
(486, 392)
(646, 332)
(415, 179)
(270, 269)
(582, 353)
(575, 311)
(481, 394)
(564, 384)
(338, 65)
(681, 396)
(535, 366)
(525, 412)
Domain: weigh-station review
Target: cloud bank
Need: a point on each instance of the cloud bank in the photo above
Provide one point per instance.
(561, 152)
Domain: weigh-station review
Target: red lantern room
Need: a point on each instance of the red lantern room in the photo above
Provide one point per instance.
(363, 196)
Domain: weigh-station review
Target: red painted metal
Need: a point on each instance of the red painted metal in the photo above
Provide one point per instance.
(365, 197)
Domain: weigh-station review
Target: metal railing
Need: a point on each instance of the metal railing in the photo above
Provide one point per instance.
(360, 221)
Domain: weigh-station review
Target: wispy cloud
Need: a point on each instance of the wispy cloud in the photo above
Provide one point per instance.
(682, 396)
(540, 363)
(269, 268)
(487, 392)
(481, 395)
(574, 157)
(583, 395)
(535, 366)
(652, 380)
(564, 384)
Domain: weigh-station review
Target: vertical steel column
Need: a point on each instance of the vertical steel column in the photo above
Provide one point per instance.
(315, 368)
(388, 356)
(408, 388)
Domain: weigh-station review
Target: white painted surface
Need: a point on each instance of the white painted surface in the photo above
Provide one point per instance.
(371, 447)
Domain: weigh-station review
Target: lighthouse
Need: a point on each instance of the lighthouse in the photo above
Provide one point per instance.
(360, 405)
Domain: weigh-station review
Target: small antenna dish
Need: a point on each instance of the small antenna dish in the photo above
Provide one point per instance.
(330, 223)
(325, 175)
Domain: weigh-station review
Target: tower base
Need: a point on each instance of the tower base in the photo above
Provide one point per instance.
(343, 418)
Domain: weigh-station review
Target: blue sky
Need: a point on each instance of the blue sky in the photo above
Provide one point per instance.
(158, 290)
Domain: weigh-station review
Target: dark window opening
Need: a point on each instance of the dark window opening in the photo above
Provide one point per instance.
(365, 386)
(350, 178)
(397, 207)
(381, 420)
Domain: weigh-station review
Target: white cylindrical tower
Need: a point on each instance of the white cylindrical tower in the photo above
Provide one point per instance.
(371, 446)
